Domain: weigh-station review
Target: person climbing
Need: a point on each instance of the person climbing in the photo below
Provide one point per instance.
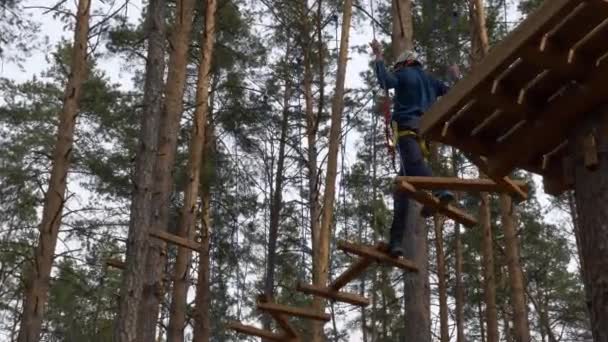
(415, 92)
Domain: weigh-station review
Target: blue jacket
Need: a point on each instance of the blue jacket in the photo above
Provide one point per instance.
(415, 92)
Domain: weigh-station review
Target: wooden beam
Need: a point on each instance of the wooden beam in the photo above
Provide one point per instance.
(116, 263)
(329, 293)
(378, 253)
(353, 271)
(458, 184)
(508, 185)
(307, 313)
(176, 240)
(536, 138)
(499, 57)
(590, 152)
(432, 202)
(253, 331)
(282, 320)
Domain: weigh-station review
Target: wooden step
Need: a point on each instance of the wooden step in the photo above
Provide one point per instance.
(281, 319)
(253, 331)
(176, 240)
(507, 184)
(432, 202)
(377, 253)
(458, 184)
(307, 313)
(116, 263)
(329, 293)
(353, 271)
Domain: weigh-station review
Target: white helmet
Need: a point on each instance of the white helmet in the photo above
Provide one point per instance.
(407, 55)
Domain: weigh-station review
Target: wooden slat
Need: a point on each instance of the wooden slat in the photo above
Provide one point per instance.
(535, 138)
(253, 331)
(508, 185)
(590, 152)
(282, 320)
(174, 239)
(329, 293)
(307, 313)
(432, 202)
(458, 184)
(353, 271)
(539, 22)
(116, 263)
(379, 254)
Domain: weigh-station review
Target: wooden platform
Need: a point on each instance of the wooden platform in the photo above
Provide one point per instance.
(432, 202)
(519, 105)
(330, 293)
(459, 184)
(307, 313)
(253, 331)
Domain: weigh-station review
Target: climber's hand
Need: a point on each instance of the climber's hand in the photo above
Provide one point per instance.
(376, 48)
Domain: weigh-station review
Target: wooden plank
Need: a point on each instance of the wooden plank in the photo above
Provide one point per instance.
(379, 254)
(590, 152)
(458, 184)
(176, 240)
(329, 293)
(537, 23)
(253, 331)
(282, 320)
(116, 263)
(353, 271)
(535, 138)
(508, 185)
(432, 202)
(307, 313)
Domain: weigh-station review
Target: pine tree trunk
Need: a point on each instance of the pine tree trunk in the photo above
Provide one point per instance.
(154, 287)
(441, 275)
(321, 254)
(277, 200)
(141, 206)
(202, 324)
(459, 287)
(403, 29)
(591, 192)
(487, 259)
(417, 289)
(177, 320)
(38, 280)
(480, 316)
(518, 298)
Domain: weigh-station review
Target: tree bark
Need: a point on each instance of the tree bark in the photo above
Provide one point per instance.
(277, 199)
(459, 287)
(38, 280)
(417, 289)
(487, 259)
(441, 275)
(202, 325)
(403, 29)
(321, 254)
(518, 297)
(141, 205)
(591, 193)
(154, 287)
(177, 320)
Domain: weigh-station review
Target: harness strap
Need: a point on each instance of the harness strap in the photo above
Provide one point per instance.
(397, 133)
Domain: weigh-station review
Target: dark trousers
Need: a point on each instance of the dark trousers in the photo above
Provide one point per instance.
(412, 164)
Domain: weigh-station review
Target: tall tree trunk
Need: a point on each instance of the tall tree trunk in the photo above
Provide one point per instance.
(441, 275)
(38, 280)
(417, 289)
(480, 316)
(591, 189)
(187, 227)
(518, 297)
(489, 278)
(154, 287)
(458, 269)
(479, 49)
(403, 29)
(277, 199)
(141, 205)
(321, 254)
(202, 324)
